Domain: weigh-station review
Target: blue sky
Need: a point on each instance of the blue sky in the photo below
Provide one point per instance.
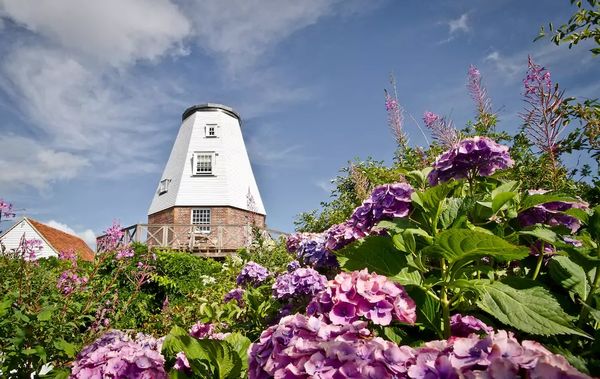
(91, 93)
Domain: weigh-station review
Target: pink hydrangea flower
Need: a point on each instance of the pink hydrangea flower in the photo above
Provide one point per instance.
(350, 296)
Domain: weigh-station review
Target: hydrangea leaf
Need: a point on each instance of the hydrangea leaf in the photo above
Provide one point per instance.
(579, 214)
(177, 341)
(430, 200)
(240, 344)
(224, 357)
(569, 275)
(537, 199)
(460, 244)
(526, 305)
(541, 233)
(451, 209)
(428, 309)
(378, 254)
(510, 186)
(501, 199)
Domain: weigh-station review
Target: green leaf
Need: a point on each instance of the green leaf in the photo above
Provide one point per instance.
(510, 186)
(541, 233)
(430, 200)
(526, 305)
(69, 349)
(394, 334)
(224, 357)
(501, 199)
(378, 254)
(579, 214)
(569, 275)
(45, 314)
(595, 313)
(451, 208)
(460, 244)
(428, 309)
(5, 306)
(533, 200)
(240, 345)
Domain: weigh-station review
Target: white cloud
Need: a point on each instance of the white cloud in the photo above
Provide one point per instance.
(87, 235)
(75, 109)
(27, 163)
(514, 65)
(506, 66)
(118, 32)
(459, 24)
(73, 82)
(240, 31)
(326, 185)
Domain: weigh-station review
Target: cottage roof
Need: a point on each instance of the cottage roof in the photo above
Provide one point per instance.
(62, 241)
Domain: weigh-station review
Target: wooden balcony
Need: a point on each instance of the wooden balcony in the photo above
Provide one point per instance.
(203, 240)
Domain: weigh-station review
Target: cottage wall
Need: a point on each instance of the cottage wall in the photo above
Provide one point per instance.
(12, 239)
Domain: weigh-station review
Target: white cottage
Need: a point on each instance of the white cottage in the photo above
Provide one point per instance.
(52, 240)
(207, 198)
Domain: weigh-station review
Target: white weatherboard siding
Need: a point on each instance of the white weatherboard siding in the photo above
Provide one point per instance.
(232, 177)
(12, 238)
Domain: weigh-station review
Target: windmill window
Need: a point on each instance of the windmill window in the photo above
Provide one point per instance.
(201, 220)
(211, 131)
(203, 163)
(163, 186)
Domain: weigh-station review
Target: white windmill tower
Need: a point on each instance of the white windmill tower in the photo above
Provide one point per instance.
(207, 195)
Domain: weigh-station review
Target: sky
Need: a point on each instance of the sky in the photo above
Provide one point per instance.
(92, 92)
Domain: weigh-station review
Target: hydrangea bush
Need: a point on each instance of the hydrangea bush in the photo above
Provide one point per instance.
(453, 270)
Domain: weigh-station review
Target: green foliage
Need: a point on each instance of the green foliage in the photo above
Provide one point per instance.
(583, 25)
(208, 358)
(379, 255)
(526, 305)
(459, 246)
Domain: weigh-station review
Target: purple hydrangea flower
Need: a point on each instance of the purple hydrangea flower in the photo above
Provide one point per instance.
(293, 265)
(236, 294)
(309, 347)
(471, 156)
(182, 364)
(293, 242)
(252, 274)
(494, 355)
(551, 213)
(310, 250)
(386, 202)
(117, 355)
(359, 294)
(463, 326)
(202, 330)
(301, 282)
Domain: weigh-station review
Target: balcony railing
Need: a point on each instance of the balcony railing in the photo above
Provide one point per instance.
(206, 240)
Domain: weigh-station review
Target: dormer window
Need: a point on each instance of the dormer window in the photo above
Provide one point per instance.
(163, 187)
(211, 131)
(203, 163)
